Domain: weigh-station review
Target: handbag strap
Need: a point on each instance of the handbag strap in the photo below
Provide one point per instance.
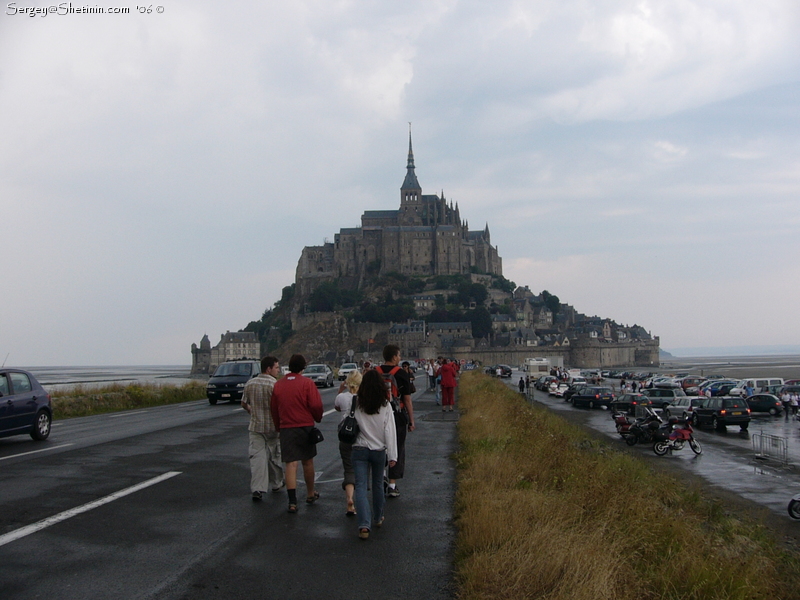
(353, 406)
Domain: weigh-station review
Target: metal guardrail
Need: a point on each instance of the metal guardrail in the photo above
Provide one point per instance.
(771, 447)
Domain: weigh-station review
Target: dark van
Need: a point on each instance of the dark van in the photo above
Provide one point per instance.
(227, 382)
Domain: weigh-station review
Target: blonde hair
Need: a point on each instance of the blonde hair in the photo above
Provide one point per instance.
(353, 381)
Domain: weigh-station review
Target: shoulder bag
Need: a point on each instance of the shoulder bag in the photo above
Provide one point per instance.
(348, 428)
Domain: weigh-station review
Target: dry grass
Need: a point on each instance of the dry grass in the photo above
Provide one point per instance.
(544, 511)
(82, 402)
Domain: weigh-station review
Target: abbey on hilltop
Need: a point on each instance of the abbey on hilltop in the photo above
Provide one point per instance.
(424, 237)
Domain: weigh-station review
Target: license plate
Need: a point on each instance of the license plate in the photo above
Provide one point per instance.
(736, 414)
(225, 395)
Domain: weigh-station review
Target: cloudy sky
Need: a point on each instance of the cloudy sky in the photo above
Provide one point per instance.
(160, 173)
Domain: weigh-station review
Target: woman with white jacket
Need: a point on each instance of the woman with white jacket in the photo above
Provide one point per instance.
(376, 442)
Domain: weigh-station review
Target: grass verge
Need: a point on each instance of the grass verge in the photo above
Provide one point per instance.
(545, 511)
(82, 402)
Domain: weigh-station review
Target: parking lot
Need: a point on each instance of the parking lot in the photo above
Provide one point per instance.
(728, 459)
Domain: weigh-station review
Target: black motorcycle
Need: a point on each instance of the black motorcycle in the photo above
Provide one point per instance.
(645, 429)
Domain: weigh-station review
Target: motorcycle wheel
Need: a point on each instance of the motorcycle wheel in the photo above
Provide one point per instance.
(661, 448)
(794, 509)
(631, 440)
(695, 446)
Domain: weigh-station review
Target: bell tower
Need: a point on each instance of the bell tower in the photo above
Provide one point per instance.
(410, 191)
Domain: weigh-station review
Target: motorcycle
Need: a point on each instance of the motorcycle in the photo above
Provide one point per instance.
(674, 437)
(794, 507)
(643, 430)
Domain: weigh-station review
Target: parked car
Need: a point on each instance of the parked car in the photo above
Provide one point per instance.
(629, 402)
(543, 383)
(721, 412)
(346, 369)
(763, 385)
(691, 384)
(320, 374)
(718, 387)
(227, 382)
(25, 406)
(505, 370)
(683, 407)
(592, 396)
(662, 397)
(573, 389)
(765, 403)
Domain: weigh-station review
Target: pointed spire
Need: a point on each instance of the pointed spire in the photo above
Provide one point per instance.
(410, 182)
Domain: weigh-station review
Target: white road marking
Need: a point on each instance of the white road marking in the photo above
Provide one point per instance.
(29, 529)
(35, 451)
(127, 414)
(325, 414)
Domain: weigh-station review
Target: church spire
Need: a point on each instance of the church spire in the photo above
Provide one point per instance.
(410, 182)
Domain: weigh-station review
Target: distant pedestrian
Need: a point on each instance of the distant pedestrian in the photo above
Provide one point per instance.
(431, 372)
(794, 401)
(448, 372)
(343, 404)
(296, 406)
(376, 444)
(521, 385)
(265, 449)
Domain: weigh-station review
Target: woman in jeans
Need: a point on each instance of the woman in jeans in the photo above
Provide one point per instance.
(377, 441)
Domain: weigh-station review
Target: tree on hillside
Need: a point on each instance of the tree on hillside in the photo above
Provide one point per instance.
(552, 302)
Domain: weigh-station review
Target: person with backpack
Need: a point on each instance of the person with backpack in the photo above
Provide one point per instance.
(398, 390)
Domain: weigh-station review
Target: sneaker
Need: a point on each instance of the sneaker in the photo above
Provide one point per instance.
(363, 533)
(280, 488)
(257, 496)
(394, 492)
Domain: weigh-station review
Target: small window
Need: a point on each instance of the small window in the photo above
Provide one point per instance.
(20, 383)
(3, 385)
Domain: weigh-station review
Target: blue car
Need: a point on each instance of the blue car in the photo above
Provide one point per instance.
(25, 406)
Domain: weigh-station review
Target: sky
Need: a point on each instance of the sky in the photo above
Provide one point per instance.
(160, 173)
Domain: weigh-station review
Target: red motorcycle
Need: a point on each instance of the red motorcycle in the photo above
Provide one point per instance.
(681, 434)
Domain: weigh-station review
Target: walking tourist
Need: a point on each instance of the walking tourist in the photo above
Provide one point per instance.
(265, 449)
(296, 406)
(400, 389)
(376, 443)
(448, 372)
(343, 403)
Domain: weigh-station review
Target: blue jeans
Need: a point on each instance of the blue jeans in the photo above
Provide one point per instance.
(364, 458)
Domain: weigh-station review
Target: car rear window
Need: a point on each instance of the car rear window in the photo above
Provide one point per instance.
(735, 404)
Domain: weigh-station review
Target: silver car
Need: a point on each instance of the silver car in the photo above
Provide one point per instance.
(321, 375)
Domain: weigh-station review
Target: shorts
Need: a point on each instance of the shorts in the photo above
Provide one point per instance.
(295, 445)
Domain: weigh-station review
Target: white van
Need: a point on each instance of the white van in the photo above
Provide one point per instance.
(766, 385)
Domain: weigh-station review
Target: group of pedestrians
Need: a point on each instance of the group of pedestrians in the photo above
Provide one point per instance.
(283, 414)
(790, 401)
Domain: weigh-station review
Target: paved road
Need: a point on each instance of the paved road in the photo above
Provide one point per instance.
(196, 533)
(728, 459)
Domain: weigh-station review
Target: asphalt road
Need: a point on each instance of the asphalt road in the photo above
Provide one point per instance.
(194, 531)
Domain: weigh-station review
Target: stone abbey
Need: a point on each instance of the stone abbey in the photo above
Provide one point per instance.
(425, 236)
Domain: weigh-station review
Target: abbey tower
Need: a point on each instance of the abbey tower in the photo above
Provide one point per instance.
(424, 237)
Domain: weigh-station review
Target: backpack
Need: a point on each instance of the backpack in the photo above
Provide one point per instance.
(392, 393)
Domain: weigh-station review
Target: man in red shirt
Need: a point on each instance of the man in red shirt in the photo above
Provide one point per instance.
(448, 372)
(296, 406)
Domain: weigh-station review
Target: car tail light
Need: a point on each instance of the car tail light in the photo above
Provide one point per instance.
(723, 412)
(597, 395)
(748, 411)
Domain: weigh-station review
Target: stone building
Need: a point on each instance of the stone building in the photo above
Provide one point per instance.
(425, 236)
(231, 346)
